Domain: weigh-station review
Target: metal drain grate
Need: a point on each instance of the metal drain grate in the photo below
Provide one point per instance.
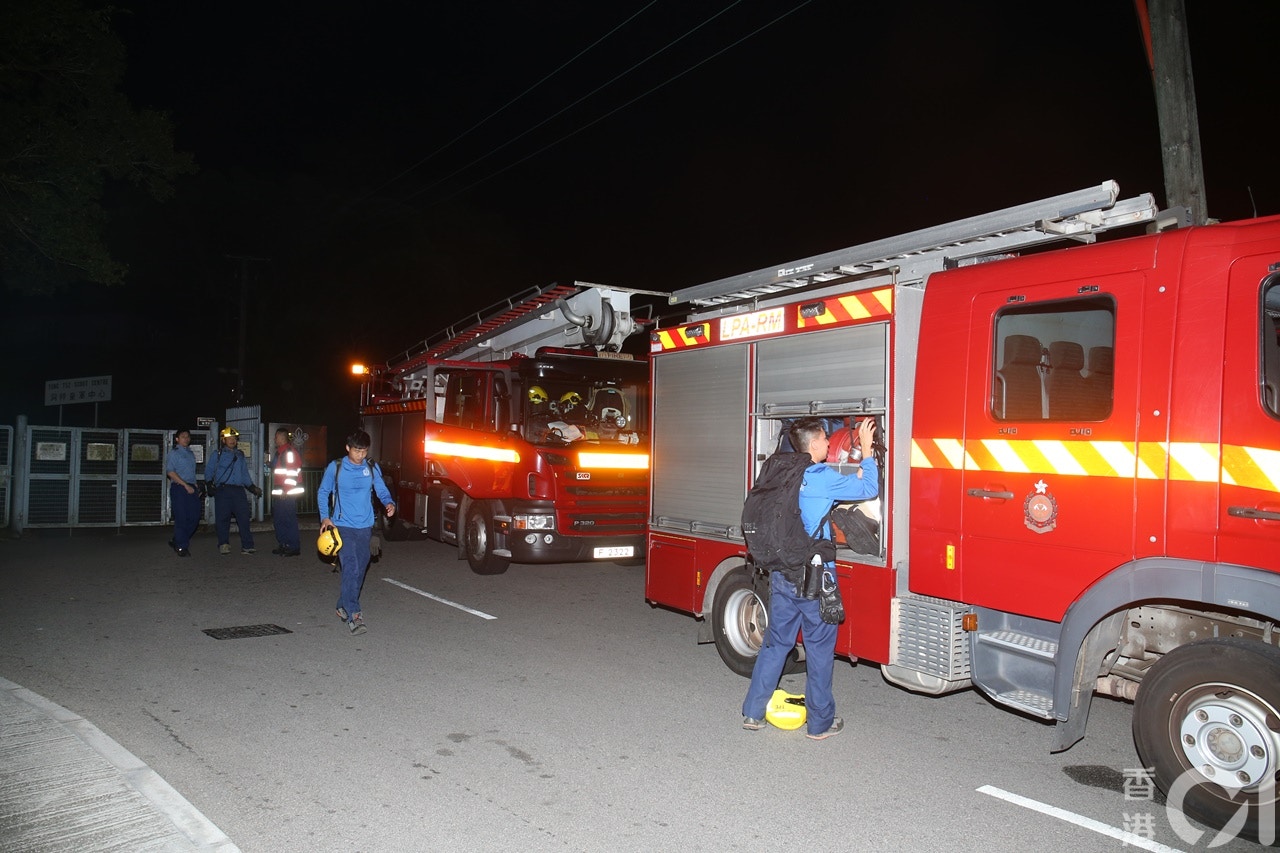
(241, 631)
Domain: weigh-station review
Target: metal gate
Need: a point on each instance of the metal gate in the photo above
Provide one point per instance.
(90, 477)
(83, 477)
(74, 477)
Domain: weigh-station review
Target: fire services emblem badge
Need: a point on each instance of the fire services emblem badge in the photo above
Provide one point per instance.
(1040, 509)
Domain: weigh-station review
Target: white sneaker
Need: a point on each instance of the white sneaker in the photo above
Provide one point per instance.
(837, 725)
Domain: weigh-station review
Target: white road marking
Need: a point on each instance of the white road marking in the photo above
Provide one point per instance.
(461, 607)
(1128, 838)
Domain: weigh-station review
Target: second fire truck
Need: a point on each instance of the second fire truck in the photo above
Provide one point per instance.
(520, 434)
(1080, 462)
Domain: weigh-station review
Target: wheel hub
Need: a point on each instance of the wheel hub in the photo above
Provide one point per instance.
(747, 623)
(1226, 739)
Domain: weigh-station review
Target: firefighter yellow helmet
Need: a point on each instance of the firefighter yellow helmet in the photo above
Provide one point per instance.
(229, 432)
(786, 710)
(329, 543)
(537, 395)
(570, 398)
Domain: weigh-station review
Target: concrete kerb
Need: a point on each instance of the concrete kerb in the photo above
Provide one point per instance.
(157, 796)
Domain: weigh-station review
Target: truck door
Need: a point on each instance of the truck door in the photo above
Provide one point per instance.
(465, 437)
(1051, 441)
(1249, 509)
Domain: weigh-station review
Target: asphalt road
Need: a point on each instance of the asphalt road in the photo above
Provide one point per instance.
(549, 708)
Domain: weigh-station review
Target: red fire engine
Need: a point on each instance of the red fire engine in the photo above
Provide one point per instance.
(520, 433)
(1081, 470)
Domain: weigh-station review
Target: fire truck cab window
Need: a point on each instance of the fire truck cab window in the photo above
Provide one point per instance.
(499, 413)
(465, 400)
(1270, 345)
(1054, 361)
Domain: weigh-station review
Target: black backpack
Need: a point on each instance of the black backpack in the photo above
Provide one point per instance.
(771, 524)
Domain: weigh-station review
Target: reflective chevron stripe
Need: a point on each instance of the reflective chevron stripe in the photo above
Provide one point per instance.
(821, 313)
(669, 339)
(1252, 467)
(855, 306)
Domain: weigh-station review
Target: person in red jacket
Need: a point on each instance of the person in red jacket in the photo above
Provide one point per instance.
(286, 486)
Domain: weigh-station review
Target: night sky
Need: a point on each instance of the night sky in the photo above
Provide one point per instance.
(390, 166)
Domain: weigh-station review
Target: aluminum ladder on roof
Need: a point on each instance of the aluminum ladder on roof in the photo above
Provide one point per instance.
(1076, 216)
(533, 318)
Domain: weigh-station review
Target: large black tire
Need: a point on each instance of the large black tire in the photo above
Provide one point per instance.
(739, 620)
(1211, 710)
(479, 541)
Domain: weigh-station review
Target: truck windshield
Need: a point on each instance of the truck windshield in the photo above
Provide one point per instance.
(561, 409)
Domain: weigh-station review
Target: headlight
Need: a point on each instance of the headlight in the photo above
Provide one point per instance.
(534, 522)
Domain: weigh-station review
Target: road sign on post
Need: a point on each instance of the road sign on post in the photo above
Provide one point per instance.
(89, 389)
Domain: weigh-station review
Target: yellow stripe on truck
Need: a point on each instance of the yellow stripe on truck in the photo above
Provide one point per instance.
(1254, 467)
(1251, 467)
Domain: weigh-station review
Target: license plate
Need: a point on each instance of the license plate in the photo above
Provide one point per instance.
(615, 552)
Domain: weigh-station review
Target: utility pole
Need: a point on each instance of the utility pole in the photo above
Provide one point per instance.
(244, 321)
(1164, 30)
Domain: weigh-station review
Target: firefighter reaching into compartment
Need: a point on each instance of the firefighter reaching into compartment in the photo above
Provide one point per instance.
(789, 612)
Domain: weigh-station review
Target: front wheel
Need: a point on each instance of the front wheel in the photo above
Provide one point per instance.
(480, 541)
(739, 620)
(1207, 719)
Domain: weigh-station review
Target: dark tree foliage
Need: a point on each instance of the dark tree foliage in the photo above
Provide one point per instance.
(67, 134)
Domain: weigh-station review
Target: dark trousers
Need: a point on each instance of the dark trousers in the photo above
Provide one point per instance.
(789, 614)
(354, 559)
(284, 515)
(186, 514)
(229, 501)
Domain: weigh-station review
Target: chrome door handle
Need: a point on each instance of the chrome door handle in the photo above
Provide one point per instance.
(1252, 512)
(988, 493)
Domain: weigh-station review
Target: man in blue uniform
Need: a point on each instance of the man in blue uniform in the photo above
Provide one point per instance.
(227, 476)
(789, 611)
(180, 468)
